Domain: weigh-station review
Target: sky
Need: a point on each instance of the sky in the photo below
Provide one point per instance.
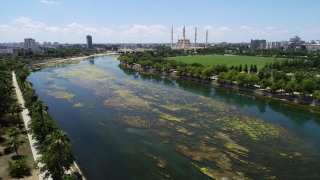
(150, 21)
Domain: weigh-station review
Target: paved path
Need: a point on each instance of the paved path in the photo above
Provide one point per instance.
(33, 143)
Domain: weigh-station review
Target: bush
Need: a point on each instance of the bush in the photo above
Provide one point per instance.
(18, 168)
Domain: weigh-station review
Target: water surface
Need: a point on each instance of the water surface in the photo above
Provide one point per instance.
(130, 125)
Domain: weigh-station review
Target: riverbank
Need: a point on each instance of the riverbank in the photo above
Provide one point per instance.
(26, 119)
(61, 60)
(258, 91)
(33, 143)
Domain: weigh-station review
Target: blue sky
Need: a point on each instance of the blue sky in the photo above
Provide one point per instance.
(150, 21)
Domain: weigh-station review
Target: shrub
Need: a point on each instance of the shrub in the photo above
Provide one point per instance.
(18, 168)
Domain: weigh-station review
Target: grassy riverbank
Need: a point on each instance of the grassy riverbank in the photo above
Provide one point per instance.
(228, 60)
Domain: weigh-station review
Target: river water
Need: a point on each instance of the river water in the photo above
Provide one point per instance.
(130, 125)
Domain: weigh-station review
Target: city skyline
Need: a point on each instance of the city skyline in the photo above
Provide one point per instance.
(144, 21)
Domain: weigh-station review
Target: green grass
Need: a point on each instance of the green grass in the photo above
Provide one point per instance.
(227, 60)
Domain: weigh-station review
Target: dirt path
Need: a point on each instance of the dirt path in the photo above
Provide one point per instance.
(33, 144)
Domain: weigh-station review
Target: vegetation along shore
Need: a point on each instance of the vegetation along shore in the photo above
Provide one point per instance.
(54, 157)
(284, 75)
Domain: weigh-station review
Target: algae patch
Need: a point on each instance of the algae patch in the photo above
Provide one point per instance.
(78, 105)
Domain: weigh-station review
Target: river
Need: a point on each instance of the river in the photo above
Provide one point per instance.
(126, 124)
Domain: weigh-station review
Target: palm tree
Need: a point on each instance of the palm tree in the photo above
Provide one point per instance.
(13, 131)
(14, 143)
(16, 107)
(56, 154)
(39, 107)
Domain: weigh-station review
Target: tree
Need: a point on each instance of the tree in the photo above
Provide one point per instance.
(240, 68)
(57, 156)
(242, 80)
(13, 131)
(252, 79)
(207, 72)
(36, 128)
(18, 168)
(222, 77)
(16, 107)
(251, 68)
(39, 107)
(290, 87)
(264, 83)
(245, 69)
(255, 69)
(231, 75)
(14, 143)
(307, 86)
(316, 94)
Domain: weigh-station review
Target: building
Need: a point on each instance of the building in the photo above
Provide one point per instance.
(3, 49)
(89, 42)
(258, 44)
(295, 39)
(184, 43)
(56, 44)
(313, 47)
(30, 44)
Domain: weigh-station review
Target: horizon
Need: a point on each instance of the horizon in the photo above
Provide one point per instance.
(149, 22)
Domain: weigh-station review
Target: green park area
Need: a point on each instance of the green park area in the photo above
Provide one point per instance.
(227, 60)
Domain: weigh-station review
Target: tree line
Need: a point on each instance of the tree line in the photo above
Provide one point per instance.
(286, 75)
(55, 145)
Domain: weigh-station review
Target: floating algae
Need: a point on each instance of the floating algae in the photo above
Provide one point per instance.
(59, 94)
(194, 125)
(78, 105)
(203, 152)
(215, 174)
(167, 116)
(55, 86)
(184, 130)
(135, 121)
(49, 78)
(255, 128)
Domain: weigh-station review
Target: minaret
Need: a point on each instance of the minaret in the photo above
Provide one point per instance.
(184, 35)
(207, 38)
(195, 38)
(172, 38)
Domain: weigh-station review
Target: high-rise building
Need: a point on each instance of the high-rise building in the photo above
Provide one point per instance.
(295, 39)
(30, 43)
(89, 42)
(258, 44)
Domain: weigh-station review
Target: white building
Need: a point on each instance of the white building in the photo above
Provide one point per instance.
(30, 43)
(313, 47)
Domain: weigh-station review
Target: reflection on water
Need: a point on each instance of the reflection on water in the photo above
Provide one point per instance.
(132, 125)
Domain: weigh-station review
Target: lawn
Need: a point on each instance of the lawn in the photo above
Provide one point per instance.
(227, 60)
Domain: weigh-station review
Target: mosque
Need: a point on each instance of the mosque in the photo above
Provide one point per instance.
(184, 43)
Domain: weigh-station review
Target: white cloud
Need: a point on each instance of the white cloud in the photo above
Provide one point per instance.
(280, 32)
(142, 30)
(311, 31)
(28, 25)
(55, 29)
(48, 2)
(222, 31)
(267, 31)
(245, 28)
(85, 30)
(269, 28)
